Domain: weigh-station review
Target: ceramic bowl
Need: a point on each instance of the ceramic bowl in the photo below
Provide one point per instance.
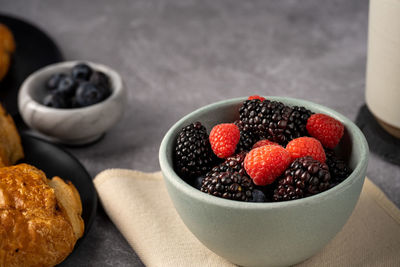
(75, 126)
(265, 234)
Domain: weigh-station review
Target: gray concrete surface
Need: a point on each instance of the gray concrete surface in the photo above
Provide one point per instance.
(178, 55)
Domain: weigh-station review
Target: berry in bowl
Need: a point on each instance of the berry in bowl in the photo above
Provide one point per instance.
(264, 181)
(81, 87)
(72, 102)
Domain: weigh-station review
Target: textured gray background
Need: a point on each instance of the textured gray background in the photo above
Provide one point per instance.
(176, 56)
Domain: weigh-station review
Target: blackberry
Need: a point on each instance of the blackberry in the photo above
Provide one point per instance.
(231, 164)
(247, 138)
(304, 177)
(229, 185)
(273, 120)
(337, 167)
(193, 155)
(229, 180)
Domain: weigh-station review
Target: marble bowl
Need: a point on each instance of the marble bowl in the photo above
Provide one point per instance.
(75, 126)
(265, 234)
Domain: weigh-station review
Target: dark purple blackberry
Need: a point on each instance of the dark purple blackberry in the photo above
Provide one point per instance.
(273, 120)
(304, 177)
(193, 156)
(247, 138)
(229, 185)
(337, 167)
(232, 164)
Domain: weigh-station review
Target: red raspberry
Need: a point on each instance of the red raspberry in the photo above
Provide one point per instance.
(306, 146)
(265, 164)
(326, 129)
(224, 138)
(264, 142)
(256, 97)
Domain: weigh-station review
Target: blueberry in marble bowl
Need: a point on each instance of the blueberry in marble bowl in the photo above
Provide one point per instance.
(81, 86)
(72, 102)
(81, 71)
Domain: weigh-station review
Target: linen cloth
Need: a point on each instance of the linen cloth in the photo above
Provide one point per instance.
(139, 205)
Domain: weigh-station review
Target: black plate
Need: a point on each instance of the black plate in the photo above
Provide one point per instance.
(34, 50)
(55, 161)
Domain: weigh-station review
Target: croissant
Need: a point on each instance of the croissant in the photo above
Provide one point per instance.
(40, 219)
(10, 142)
(7, 47)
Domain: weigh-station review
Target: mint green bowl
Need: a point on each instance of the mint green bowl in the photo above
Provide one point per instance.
(265, 234)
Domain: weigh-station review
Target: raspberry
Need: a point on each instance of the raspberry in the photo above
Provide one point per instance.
(326, 129)
(256, 97)
(264, 164)
(306, 146)
(224, 139)
(264, 142)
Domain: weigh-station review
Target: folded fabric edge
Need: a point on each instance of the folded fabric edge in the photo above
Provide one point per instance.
(383, 201)
(379, 196)
(114, 173)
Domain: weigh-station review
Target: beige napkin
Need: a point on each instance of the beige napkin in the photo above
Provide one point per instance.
(139, 206)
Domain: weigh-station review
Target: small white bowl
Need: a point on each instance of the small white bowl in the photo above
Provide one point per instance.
(73, 126)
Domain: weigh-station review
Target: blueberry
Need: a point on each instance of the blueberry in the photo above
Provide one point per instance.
(258, 196)
(106, 92)
(101, 80)
(81, 72)
(55, 100)
(54, 80)
(98, 78)
(67, 86)
(88, 94)
(198, 181)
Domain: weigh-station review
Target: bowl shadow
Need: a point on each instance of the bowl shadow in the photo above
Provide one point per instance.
(380, 142)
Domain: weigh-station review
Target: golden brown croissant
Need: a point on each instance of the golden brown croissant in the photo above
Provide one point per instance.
(7, 47)
(10, 142)
(40, 219)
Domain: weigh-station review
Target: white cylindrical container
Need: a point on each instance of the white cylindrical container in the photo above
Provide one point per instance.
(383, 67)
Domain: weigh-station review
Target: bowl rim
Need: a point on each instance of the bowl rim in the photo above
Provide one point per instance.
(25, 91)
(172, 177)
